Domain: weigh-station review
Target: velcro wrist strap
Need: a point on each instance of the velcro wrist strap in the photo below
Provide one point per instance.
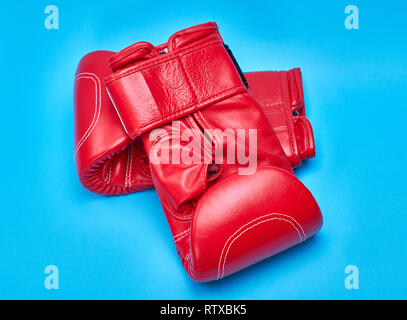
(304, 137)
(173, 85)
(295, 91)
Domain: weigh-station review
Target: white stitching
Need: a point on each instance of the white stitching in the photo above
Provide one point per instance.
(245, 225)
(187, 257)
(185, 235)
(109, 173)
(230, 245)
(131, 163)
(285, 215)
(95, 119)
(126, 176)
(182, 233)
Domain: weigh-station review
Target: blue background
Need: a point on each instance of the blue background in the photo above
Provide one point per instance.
(121, 247)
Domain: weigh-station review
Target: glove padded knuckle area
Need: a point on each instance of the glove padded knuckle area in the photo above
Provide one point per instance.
(233, 228)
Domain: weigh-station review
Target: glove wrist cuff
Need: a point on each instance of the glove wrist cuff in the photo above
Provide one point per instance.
(166, 87)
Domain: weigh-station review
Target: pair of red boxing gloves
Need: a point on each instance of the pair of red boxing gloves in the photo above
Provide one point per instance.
(218, 145)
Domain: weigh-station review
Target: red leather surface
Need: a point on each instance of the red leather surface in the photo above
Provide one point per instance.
(278, 212)
(280, 94)
(166, 87)
(108, 163)
(224, 222)
(105, 156)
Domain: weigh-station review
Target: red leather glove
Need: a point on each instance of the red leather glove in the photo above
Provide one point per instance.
(224, 216)
(109, 162)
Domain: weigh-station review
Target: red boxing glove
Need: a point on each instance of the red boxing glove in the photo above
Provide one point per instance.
(109, 163)
(281, 97)
(187, 102)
